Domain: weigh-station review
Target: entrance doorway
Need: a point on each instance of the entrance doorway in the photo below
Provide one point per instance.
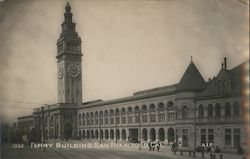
(170, 135)
(68, 130)
(152, 134)
(133, 135)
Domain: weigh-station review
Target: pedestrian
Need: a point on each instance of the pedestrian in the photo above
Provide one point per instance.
(174, 146)
(149, 145)
(153, 146)
(158, 145)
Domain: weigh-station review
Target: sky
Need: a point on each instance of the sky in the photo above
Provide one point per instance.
(127, 46)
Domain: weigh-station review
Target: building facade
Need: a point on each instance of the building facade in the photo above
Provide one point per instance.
(191, 112)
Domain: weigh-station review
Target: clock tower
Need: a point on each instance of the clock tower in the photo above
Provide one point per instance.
(69, 62)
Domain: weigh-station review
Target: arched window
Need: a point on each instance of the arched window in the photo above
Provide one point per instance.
(144, 114)
(130, 115)
(161, 111)
(137, 114)
(111, 113)
(101, 134)
(92, 134)
(106, 116)
(83, 119)
(80, 133)
(201, 111)
(83, 134)
(217, 110)
(236, 109)
(171, 111)
(123, 134)
(184, 112)
(117, 134)
(80, 120)
(227, 109)
(96, 134)
(170, 105)
(152, 113)
(144, 134)
(88, 135)
(92, 118)
(106, 134)
(111, 134)
(101, 117)
(123, 113)
(161, 134)
(152, 134)
(88, 119)
(96, 118)
(117, 114)
(210, 112)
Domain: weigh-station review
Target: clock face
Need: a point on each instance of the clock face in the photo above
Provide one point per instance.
(60, 71)
(73, 70)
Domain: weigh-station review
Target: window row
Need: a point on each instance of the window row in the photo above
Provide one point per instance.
(230, 109)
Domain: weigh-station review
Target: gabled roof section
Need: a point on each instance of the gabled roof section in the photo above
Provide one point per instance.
(191, 80)
(236, 76)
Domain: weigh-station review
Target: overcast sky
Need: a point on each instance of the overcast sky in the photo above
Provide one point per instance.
(128, 45)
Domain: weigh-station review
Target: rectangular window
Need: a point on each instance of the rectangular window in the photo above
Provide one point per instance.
(112, 119)
(228, 138)
(101, 120)
(96, 121)
(137, 118)
(83, 122)
(185, 137)
(123, 119)
(152, 118)
(236, 138)
(210, 136)
(130, 120)
(161, 117)
(203, 136)
(171, 116)
(144, 118)
(106, 120)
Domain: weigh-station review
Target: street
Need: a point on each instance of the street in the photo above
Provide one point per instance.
(8, 152)
(52, 153)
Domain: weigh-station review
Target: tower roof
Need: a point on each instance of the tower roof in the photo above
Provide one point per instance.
(191, 79)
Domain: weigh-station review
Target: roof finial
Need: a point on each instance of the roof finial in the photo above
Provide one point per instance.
(191, 59)
(67, 7)
(225, 62)
(222, 65)
(68, 4)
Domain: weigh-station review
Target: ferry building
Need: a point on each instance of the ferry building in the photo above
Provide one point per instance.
(191, 111)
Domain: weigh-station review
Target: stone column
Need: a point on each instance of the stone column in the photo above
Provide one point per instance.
(148, 134)
(127, 133)
(148, 112)
(157, 115)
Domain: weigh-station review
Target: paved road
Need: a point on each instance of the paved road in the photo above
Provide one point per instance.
(8, 152)
(52, 153)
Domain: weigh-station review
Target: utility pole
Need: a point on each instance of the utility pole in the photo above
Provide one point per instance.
(100, 128)
(195, 125)
(115, 127)
(139, 129)
(43, 129)
(89, 120)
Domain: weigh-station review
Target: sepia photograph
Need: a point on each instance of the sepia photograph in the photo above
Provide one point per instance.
(124, 79)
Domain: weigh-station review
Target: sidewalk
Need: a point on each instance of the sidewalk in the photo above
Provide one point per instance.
(164, 150)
